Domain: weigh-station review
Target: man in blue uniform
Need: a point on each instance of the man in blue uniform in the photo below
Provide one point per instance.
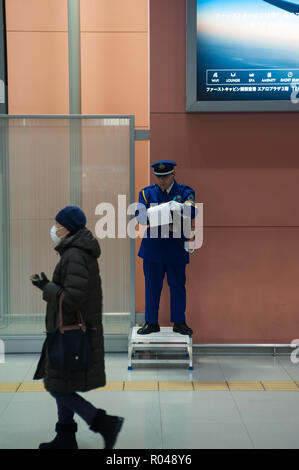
(164, 255)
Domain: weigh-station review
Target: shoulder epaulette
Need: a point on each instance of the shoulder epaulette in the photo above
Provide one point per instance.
(144, 190)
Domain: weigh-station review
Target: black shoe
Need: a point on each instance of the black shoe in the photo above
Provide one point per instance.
(182, 328)
(65, 438)
(108, 426)
(148, 328)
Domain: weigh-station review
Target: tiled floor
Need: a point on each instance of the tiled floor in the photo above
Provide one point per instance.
(201, 419)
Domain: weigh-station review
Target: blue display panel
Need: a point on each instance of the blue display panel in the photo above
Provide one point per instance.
(247, 51)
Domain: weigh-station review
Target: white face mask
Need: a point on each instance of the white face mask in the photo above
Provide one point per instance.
(54, 237)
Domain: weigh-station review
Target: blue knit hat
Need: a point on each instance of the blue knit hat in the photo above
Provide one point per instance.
(72, 218)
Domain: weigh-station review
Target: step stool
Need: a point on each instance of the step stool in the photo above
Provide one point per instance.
(163, 340)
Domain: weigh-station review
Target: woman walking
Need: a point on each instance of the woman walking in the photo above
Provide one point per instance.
(77, 277)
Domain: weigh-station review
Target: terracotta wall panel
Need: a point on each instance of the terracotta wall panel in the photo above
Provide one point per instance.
(37, 73)
(36, 15)
(253, 184)
(117, 81)
(167, 39)
(242, 283)
(114, 15)
(242, 286)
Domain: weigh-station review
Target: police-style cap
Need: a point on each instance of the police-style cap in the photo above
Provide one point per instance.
(163, 167)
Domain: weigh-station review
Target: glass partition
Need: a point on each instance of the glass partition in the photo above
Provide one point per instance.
(46, 164)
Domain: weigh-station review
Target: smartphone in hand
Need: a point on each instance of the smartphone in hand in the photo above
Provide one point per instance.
(35, 277)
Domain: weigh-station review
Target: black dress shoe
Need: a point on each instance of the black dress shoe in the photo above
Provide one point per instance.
(148, 328)
(182, 328)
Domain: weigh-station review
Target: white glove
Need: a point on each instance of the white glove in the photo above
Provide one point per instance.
(188, 248)
(175, 206)
(159, 215)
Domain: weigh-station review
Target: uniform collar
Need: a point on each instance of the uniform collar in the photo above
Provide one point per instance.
(170, 188)
(173, 186)
(173, 189)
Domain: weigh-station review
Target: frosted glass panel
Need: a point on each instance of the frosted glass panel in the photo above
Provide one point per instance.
(47, 164)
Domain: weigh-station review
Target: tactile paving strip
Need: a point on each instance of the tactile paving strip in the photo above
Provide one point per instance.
(12, 387)
(176, 386)
(280, 386)
(32, 387)
(111, 387)
(211, 386)
(7, 387)
(139, 386)
(246, 386)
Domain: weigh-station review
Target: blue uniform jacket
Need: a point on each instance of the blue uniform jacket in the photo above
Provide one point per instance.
(163, 250)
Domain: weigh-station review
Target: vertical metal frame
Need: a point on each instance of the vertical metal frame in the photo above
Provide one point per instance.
(191, 72)
(74, 48)
(3, 60)
(132, 200)
(4, 225)
(74, 56)
(4, 181)
(20, 342)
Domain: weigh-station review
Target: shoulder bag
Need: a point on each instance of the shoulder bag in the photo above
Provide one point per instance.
(69, 347)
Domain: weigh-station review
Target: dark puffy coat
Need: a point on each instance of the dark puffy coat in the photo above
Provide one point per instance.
(77, 274)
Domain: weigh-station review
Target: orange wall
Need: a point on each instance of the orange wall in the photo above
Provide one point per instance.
(114, 64)
(37, 56)
(243, 283)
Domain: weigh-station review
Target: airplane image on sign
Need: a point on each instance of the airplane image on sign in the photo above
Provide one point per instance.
(288, 6)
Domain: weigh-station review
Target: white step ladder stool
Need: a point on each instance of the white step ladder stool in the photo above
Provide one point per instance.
(163, 340)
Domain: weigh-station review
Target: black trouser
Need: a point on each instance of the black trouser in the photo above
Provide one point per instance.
(70, 403)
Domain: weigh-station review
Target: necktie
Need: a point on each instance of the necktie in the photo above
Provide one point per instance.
(165, 193)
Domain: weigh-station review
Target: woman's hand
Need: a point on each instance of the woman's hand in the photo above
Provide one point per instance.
(39, 280)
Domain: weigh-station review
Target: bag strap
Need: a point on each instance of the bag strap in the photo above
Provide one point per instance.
(81, 324)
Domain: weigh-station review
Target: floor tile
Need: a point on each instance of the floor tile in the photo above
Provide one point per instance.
(276, 396)
(274, 435)
(5, 399)
(189, 408)
(291, 369)
(119, 372)
(16, 367)
(204, 435)
(207, 369)
(28, 377)
(27, 422)
(208, 420)
(256, 368)
(267, 407)
(141, 410)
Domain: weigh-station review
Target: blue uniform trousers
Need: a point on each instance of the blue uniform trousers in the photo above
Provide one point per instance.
(176, 277)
